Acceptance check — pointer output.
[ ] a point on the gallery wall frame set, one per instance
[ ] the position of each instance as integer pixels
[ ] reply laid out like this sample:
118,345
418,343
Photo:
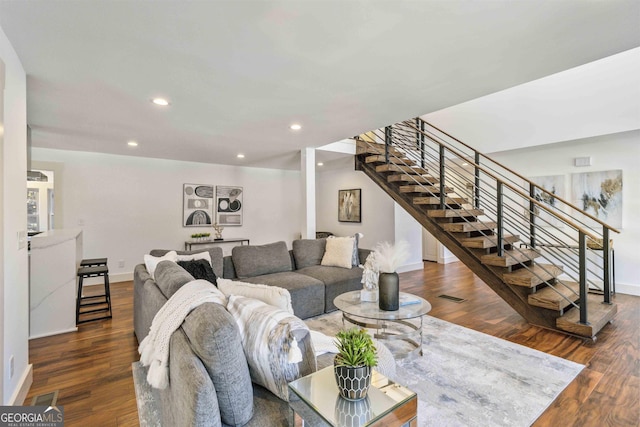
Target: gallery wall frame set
350,205
205,204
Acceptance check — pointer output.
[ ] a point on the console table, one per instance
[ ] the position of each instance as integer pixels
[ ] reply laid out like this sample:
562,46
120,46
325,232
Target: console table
189,243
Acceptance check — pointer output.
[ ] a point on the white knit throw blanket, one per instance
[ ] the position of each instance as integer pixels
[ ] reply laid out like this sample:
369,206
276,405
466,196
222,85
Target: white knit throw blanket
154,349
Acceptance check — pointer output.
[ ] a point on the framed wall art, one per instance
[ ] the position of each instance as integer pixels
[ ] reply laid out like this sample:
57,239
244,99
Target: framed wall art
197,206
554,184
349,205
600,194
229,205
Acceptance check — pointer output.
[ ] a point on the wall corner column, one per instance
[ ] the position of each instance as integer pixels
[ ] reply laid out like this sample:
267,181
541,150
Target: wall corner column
308,174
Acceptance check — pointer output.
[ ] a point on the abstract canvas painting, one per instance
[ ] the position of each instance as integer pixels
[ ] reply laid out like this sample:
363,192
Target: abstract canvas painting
228,205
554,186
349,205
599,194
197,207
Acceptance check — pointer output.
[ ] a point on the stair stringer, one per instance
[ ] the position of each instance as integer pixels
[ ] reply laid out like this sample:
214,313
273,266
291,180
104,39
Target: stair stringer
516,297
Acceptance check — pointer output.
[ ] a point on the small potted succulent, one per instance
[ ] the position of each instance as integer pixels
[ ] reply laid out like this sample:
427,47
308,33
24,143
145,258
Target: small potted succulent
352,365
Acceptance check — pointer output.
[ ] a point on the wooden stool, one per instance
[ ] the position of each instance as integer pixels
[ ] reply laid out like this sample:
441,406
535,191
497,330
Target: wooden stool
94,271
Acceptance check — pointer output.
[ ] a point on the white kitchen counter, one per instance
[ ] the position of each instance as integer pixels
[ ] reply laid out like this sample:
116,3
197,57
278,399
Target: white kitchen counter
54,259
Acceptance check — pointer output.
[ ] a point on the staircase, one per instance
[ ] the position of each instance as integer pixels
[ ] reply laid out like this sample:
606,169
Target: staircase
550,261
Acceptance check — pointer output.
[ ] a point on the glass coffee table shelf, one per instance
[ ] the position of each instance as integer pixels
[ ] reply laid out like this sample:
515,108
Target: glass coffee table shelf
404,324
314,400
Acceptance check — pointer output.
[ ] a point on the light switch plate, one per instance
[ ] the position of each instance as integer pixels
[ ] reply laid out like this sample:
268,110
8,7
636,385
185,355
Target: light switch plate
22,239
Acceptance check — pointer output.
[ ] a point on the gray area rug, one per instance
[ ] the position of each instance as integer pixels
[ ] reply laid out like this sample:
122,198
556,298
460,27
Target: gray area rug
465,378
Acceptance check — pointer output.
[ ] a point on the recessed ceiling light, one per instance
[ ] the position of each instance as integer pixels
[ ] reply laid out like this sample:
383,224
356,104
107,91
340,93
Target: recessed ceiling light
465,164
240,156
132,144
320,164
160,101
295,126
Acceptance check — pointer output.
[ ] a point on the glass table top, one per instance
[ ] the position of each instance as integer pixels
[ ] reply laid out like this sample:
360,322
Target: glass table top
320,392
411,306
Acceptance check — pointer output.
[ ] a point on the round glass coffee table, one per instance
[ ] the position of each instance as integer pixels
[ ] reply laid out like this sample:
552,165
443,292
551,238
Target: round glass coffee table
404,324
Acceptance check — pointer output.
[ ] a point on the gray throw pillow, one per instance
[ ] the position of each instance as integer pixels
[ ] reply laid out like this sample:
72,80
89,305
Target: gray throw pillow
170,277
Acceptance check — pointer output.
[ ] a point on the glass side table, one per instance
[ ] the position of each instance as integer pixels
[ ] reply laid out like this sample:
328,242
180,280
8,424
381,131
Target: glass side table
314,400
391,326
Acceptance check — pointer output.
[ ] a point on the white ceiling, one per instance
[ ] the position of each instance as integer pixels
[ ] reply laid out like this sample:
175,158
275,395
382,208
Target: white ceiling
238,73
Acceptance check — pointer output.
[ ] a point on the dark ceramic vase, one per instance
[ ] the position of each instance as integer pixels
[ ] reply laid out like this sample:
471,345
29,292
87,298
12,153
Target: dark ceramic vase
353,382
389,288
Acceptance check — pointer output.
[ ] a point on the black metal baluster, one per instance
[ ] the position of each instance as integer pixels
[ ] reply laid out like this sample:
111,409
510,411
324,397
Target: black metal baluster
499,215
606,253
582,256
532,216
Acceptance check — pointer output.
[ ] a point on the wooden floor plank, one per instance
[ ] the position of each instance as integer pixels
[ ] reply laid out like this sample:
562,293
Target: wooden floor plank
92,367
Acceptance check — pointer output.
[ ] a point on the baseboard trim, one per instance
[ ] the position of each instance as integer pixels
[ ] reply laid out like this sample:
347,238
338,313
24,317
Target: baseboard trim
623,288
23,389
411,267
33,337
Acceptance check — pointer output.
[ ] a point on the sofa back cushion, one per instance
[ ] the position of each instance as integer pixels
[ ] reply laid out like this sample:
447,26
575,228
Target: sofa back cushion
308,252
215,339
214,253
251,261
170,277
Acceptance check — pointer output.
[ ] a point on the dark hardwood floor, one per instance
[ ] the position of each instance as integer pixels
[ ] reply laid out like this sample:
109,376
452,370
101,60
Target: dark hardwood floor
92,367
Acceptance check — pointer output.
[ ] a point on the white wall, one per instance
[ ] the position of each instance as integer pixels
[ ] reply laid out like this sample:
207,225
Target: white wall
130,205
617,151
14,285
376,206
382,218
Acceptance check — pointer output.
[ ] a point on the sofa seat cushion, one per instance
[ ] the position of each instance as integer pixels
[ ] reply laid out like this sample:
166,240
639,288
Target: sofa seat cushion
250,261
170,277
308,252
307,293
215,339
337,280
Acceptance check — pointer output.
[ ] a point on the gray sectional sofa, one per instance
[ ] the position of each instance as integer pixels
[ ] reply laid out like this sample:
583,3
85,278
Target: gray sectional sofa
209,378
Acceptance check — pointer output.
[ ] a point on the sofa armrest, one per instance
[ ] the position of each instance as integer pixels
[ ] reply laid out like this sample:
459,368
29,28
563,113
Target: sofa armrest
363,254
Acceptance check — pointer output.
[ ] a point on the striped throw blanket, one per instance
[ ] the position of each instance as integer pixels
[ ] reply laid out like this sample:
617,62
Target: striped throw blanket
154,349
271,338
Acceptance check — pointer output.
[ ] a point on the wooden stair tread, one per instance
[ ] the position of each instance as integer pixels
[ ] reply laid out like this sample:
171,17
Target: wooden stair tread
400,168
465,227
598,315
454,213
431,189
532,276
374,148
436,200
412,178
485,242
381,158
556,298
509,258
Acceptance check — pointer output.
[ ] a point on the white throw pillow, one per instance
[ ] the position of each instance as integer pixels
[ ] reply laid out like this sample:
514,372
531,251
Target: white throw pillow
272,295
151,262
194,257
338,252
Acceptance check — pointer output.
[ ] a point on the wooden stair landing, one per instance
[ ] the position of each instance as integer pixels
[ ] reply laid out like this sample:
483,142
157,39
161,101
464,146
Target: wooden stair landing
598,315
